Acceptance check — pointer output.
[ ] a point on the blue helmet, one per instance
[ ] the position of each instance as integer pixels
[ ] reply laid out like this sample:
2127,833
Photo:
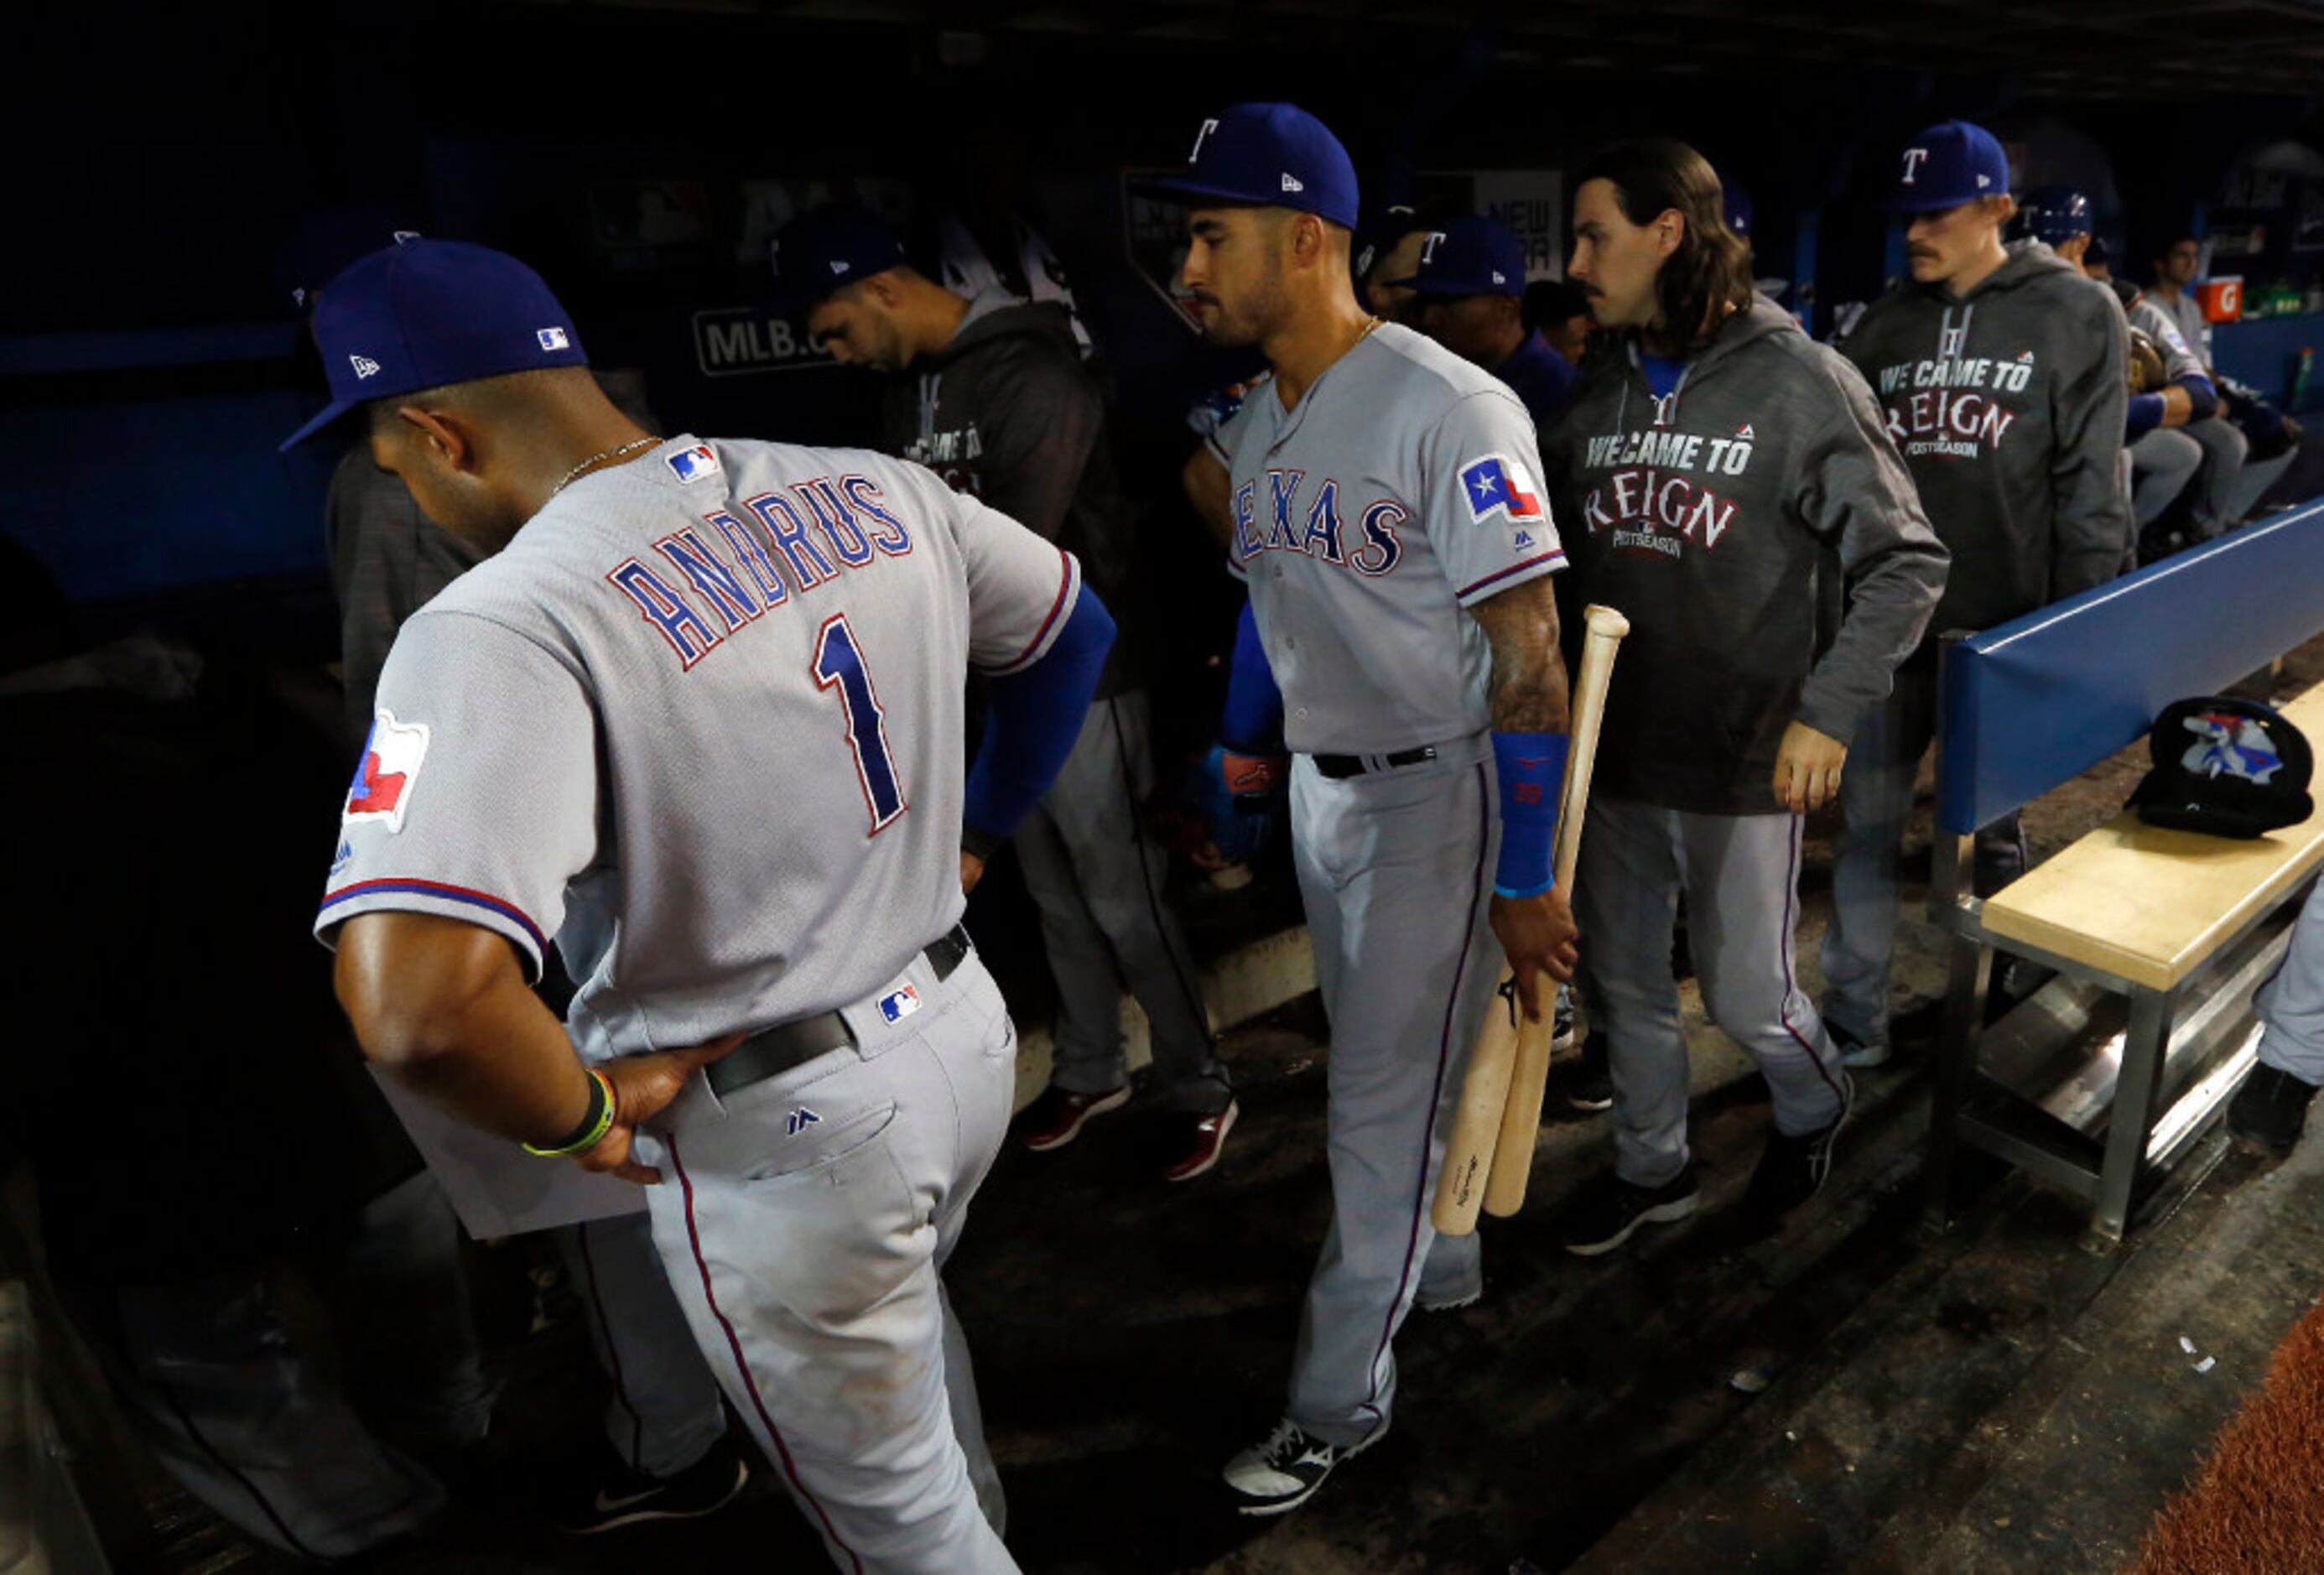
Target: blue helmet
2052,214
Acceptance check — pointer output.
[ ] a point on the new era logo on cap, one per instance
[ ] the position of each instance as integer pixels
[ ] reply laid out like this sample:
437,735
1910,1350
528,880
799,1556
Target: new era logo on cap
1293,183
365,366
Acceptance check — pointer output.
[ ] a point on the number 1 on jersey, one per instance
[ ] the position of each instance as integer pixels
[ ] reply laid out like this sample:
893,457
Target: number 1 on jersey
839,664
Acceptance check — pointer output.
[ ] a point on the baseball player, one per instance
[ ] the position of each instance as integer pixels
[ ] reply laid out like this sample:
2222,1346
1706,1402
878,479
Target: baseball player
1390,527
1714,461
1470,282
2270,1109
990,394
2000,372
664,1421
2172,426
699,719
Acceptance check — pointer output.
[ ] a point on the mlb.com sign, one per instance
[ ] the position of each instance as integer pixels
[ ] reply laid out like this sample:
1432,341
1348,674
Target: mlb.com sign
733,341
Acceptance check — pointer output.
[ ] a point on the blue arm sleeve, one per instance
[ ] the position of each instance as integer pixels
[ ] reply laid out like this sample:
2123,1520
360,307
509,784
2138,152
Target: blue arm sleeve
2145,415
2203,393
1033,719
1252,722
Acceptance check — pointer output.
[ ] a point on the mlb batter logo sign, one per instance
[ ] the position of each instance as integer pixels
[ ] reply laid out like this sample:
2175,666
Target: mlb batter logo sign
381,789
1499,484
691,464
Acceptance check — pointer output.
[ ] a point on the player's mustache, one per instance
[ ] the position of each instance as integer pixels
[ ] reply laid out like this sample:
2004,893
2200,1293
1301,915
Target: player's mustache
1924,253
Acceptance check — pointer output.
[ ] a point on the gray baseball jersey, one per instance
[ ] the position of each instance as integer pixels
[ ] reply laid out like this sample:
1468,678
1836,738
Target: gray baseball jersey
701,721
2178,359
1402,489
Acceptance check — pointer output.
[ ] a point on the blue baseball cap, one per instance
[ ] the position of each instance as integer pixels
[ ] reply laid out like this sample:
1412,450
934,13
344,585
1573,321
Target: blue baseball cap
2052,214
426,314
325,242
1949,164
1270,156
1471,256
826,250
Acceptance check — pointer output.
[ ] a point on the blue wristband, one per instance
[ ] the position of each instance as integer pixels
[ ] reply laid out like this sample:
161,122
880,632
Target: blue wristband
1532,770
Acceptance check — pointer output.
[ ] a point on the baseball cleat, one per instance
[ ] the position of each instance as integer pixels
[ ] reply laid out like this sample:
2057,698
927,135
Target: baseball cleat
1855,1052
1609,1210
626,1497
1057,1117
1205,1139
1283,1471
2270,1109
1792,1170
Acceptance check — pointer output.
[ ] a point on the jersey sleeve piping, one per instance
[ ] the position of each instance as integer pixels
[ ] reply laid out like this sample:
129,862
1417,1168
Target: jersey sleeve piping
406,895
1068,593
1517,574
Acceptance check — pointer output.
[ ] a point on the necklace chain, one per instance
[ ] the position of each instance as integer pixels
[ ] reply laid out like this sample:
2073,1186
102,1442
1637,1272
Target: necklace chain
574,474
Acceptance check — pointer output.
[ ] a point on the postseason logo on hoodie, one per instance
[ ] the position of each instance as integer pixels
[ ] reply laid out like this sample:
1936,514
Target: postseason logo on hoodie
1949,405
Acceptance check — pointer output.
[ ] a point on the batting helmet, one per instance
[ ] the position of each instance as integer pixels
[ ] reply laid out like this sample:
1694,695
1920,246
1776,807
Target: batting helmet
2053,213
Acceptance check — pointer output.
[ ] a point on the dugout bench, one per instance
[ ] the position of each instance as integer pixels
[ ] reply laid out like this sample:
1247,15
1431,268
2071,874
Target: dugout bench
2168,931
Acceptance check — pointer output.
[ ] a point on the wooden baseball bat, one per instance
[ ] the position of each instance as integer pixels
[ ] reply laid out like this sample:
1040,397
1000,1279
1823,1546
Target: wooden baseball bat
1477,1124
1481,1121
1512,1164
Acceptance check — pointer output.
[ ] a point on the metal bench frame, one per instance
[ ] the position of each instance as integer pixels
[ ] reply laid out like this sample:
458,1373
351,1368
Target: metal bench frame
2113,1174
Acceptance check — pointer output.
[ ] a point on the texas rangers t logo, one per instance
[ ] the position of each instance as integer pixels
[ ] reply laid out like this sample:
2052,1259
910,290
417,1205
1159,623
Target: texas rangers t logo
1914,159
1499,484
382,790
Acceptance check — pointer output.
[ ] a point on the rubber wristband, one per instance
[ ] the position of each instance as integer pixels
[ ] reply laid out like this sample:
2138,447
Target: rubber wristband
1531,767
593,1126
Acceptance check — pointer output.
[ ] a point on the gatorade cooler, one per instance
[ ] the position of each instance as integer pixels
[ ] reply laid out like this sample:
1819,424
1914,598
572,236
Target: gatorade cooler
2221,299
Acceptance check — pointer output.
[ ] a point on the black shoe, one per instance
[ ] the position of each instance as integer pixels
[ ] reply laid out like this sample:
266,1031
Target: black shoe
1792,1170
1607,1212
1283,1470
624,1497
1590,1086
1561,1032
2270,1109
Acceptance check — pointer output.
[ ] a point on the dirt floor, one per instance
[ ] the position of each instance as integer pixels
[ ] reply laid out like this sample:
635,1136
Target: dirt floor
1130,1336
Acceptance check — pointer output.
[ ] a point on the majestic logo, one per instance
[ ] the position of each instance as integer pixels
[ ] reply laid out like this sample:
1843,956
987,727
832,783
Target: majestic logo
896,1008
554,339
1208,127
800,1120
1499,484
691,464
382,790
365,366
1914,159
1293,183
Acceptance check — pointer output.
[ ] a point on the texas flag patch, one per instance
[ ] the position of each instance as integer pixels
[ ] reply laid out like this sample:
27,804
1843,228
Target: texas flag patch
691,464
382,790
1496,484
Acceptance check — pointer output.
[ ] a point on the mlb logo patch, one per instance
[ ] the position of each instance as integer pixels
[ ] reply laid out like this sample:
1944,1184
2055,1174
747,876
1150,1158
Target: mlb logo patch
896,1008
554,339
382,790
1499,484
691,464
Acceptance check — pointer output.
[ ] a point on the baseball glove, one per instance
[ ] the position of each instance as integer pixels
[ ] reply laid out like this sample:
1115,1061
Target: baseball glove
2147,372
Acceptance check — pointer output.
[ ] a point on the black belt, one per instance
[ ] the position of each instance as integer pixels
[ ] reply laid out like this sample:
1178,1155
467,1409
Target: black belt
1338,766
778,1049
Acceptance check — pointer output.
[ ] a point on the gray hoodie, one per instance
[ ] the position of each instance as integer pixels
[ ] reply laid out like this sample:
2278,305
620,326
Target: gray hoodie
2007,404
1706,518
1008,412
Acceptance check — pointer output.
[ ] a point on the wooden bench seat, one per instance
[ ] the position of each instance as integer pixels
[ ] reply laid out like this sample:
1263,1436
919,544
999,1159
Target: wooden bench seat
2149,905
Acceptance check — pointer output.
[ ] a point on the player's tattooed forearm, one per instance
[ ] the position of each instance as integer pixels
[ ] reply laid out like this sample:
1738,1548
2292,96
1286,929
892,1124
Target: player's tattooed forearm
1527,690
